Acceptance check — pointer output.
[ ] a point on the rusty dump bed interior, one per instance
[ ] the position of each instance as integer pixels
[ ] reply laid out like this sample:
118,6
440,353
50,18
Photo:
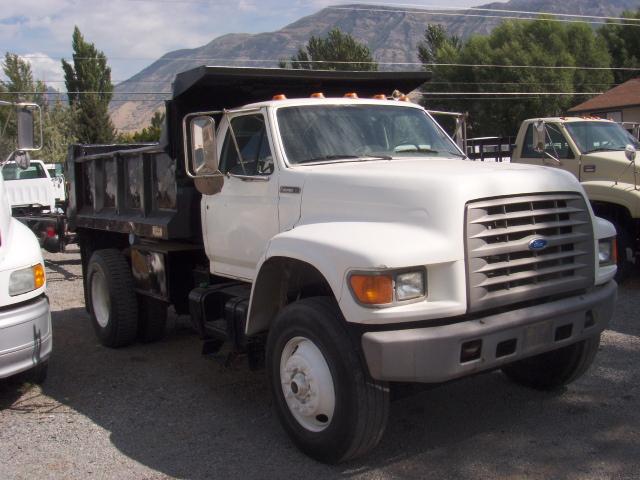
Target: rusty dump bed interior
143,189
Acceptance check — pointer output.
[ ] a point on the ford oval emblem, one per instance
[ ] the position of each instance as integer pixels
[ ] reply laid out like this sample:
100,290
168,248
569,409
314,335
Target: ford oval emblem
538,244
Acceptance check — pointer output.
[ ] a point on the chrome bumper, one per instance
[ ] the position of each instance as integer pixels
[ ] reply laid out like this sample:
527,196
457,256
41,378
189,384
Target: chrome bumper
25,336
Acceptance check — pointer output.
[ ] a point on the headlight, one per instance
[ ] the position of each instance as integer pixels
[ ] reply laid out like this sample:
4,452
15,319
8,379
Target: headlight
409,286
26,279
383,288
608,251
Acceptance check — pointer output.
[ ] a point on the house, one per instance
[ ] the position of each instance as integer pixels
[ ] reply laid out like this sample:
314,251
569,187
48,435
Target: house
620,104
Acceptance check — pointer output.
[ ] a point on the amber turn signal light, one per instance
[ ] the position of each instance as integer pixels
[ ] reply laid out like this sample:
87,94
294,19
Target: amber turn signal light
38,275
372,289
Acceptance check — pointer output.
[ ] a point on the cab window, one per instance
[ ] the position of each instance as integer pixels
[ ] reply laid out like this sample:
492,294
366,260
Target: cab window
255,154
556,144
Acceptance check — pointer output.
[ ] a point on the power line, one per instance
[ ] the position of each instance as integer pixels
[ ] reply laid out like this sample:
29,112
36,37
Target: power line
417,64
498,10
447,14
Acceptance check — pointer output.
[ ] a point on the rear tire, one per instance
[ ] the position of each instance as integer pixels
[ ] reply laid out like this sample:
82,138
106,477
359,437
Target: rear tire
323,394
112,301
552,370
625,250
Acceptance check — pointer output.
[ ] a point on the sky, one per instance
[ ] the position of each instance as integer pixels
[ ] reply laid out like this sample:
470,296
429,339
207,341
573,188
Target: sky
134,33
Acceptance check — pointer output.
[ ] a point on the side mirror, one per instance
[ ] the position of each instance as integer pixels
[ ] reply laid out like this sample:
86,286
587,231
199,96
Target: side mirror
204,155
22,159
25,128
539,136
630,152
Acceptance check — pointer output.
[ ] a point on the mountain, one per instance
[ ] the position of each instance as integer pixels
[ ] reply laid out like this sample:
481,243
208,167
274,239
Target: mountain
392,34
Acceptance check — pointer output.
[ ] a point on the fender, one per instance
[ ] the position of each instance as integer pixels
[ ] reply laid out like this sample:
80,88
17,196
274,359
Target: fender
336,248
623,194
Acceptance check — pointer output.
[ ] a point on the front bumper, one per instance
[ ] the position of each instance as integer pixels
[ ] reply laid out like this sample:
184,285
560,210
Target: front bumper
433,354
25,336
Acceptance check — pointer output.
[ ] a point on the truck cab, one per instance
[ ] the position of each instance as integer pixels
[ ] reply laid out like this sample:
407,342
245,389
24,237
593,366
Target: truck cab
601,155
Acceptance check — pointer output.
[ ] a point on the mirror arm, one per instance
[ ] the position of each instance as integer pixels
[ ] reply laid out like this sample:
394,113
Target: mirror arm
548,155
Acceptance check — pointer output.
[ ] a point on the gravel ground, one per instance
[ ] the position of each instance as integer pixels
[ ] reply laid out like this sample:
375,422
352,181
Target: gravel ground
164,411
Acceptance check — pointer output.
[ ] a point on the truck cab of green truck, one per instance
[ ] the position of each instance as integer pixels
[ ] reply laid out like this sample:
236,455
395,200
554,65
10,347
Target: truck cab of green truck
601,155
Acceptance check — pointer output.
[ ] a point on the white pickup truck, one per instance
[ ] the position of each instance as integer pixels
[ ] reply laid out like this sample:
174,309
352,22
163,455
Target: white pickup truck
35,199
599,153
25,321
345,243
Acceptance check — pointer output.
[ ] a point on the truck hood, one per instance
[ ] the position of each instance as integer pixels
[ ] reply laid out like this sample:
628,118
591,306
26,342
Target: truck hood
418,191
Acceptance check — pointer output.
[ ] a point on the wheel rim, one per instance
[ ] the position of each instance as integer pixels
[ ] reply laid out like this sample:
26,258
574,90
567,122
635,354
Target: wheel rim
307,384
100,303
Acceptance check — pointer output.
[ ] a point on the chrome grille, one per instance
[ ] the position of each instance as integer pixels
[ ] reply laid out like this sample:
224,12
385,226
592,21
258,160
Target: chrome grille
502,269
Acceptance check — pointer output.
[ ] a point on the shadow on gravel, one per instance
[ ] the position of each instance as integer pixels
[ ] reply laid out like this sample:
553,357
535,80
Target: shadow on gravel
185,415
57,266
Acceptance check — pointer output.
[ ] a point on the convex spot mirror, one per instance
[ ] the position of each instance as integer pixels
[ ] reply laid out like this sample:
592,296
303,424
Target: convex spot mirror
22,159
204,155
630,152
539,136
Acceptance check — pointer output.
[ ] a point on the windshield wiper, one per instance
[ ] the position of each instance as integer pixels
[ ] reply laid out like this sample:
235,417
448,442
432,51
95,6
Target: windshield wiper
605,150
346,157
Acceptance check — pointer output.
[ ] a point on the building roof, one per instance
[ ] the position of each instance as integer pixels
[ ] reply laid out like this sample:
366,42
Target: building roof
626,94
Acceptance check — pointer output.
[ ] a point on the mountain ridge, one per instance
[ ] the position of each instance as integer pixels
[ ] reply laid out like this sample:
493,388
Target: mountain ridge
391,33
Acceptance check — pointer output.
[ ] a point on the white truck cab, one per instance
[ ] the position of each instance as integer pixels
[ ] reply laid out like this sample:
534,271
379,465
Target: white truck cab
25,320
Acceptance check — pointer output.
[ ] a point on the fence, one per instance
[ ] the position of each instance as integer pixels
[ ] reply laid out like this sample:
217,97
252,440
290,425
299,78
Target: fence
495,149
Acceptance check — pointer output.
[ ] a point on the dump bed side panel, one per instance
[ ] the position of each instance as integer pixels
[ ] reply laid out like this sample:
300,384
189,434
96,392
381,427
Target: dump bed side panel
132,189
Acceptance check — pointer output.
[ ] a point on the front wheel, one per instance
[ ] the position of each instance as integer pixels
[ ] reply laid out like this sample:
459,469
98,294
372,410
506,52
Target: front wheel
552,370
323,394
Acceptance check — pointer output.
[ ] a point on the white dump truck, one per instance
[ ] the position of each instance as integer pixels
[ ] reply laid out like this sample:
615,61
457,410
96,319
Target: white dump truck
25,321
602,155
336,235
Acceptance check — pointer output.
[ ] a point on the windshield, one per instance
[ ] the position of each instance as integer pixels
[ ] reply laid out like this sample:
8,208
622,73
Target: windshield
321,133
600,136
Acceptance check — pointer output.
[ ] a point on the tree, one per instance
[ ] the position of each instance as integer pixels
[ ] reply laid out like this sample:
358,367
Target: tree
146,135
623,43
58,131
339,50
18,87
537,43
435,40
89,87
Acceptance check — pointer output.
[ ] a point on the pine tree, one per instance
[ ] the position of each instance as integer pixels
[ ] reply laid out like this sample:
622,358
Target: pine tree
89,87
339,50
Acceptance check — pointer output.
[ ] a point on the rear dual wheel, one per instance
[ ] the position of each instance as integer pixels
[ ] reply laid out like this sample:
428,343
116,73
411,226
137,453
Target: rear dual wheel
117,314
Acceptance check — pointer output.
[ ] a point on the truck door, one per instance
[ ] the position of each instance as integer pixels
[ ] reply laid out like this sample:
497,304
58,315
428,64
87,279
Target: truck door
556,145
240,220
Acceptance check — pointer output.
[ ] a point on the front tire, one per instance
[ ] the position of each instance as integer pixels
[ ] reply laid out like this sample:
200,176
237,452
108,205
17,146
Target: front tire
323,394
112,300
552,370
